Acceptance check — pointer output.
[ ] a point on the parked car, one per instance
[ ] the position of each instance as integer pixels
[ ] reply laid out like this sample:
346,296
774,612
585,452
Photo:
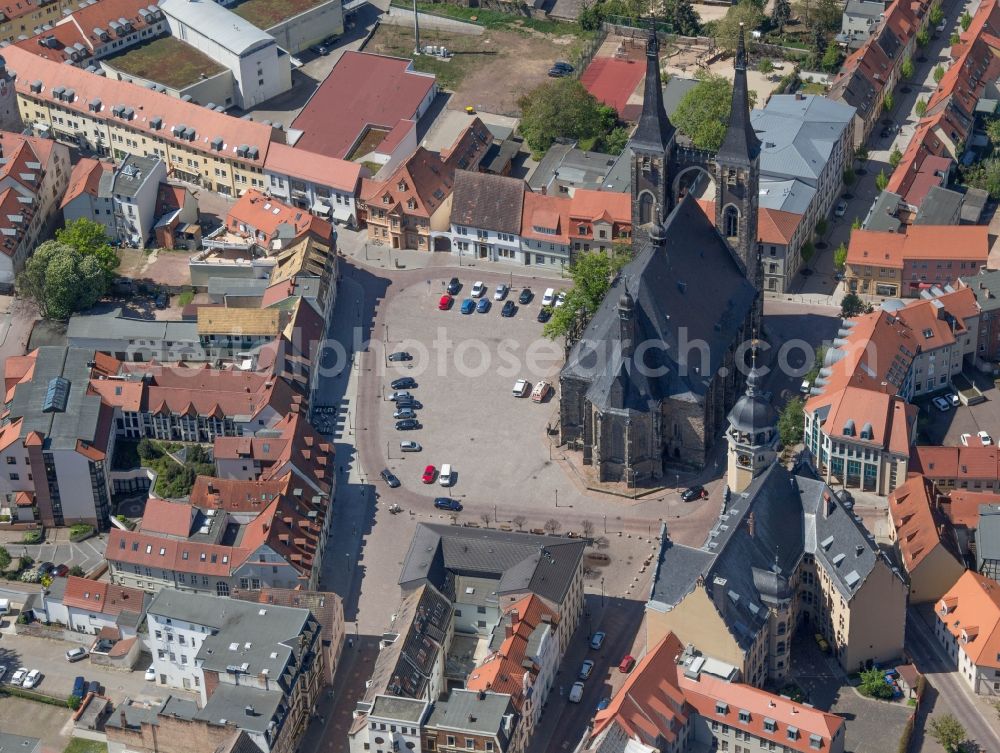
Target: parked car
824,646
447,476
468,306
942,404
508,310
320,49
483,306
390,478
627,663
407,424
954,399
560,299
586,669
32,679
446,503
454,286
478,289
404,383
522,387
500,293
544,314
445,302
76,654
597,640
576,692
46,568
61,571
694,492
841,208
150,675
541,391
162,300
805,386
525,298
984,437
549,296
94,687
429,473
409,402
603,703
558,73
403,413
395,396
80,686
400,356
19,676
564,66
408,445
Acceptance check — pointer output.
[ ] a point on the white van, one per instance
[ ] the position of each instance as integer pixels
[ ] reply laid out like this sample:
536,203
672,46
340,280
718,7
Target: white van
445,477
4,606
550,297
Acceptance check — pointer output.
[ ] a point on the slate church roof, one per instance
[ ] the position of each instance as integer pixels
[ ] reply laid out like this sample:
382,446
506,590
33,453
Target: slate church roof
691,290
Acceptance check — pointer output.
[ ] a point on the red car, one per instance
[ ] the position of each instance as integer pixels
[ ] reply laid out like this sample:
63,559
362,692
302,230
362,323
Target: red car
429,473
627,663
445,303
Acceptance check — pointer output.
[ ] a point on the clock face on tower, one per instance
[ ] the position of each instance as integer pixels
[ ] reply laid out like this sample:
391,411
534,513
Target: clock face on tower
744,459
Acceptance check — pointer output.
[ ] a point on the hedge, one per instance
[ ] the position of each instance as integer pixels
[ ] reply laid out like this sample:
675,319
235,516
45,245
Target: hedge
32,696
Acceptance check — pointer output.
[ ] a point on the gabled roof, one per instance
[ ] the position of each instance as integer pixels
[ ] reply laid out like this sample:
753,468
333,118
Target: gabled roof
310,166
268,216
919,527
957,463
545,218
487,202
970,611
85,179
161,516
103,598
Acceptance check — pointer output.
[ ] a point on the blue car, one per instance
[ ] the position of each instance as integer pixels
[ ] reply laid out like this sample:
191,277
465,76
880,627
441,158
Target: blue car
468,306
444,503
604,703
79,687
483,306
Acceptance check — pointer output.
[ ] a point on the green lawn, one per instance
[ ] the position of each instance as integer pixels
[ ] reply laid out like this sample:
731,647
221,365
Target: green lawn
79,745
166,61
266,13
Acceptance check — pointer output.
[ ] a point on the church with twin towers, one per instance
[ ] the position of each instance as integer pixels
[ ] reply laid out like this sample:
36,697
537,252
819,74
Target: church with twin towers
649,386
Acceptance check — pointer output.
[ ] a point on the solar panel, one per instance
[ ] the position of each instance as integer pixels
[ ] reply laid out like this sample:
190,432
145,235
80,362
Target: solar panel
56,395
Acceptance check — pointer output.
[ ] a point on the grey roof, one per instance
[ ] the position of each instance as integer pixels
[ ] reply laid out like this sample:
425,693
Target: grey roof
740,144
500,153
490,202
543,565
674,300
864,8
571,166
128,178
81,418
619,177
654,131
756,545
221,25
753,412
16,744
403,709
941,206
799,134
237,286
988,535
255,637
482,713
674,92
973,205
241,742
232,703
788,195
986,287
137,713
113,325
884,213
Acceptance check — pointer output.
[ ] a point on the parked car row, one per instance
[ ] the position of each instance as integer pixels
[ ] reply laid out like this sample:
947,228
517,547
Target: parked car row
523,388
478,302
946,402
23,677
81,687
587,669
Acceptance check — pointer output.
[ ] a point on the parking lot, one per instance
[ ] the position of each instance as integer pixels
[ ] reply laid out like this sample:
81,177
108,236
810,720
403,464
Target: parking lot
947,428
87,554
466,365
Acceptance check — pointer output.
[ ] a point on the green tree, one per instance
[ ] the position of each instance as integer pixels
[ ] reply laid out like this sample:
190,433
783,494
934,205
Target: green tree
780,14
728,30
821,226
592,274
831,59
861,153
948,732
77,571
681,16
965,20
881,180
765,66
906,69
873,684
90,239
563,108
936,15
985,175
702,113
852,305
60,280
938,74
923,38
840,256
818,42
856,225
888,103
954,38
615,141
895,157
4,558
791,421
993,131
849,176
920,107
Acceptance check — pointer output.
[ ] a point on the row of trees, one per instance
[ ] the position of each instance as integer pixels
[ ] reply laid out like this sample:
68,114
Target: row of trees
673,16
70,273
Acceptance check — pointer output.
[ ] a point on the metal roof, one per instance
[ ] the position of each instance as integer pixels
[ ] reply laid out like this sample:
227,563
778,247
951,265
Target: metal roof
221,25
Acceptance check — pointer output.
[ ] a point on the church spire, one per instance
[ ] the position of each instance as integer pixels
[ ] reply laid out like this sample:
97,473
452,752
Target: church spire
740,144
655,131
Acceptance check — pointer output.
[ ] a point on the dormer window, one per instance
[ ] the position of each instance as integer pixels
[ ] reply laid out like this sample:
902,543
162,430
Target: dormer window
744,716
386,199
411,204
402,185
721,708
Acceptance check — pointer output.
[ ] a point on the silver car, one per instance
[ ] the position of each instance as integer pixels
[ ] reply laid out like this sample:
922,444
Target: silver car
404,413
409,446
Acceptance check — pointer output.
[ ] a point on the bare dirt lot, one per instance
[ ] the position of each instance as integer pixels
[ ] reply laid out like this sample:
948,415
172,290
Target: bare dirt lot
524,57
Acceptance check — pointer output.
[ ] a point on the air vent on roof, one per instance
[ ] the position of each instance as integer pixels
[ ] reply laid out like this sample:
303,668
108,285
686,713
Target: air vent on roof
210,105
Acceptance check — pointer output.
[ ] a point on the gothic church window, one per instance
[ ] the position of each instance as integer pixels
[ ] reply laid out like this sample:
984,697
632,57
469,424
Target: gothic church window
645,208
731,221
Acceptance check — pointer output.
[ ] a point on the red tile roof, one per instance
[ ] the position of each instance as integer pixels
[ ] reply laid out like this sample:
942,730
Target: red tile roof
548,212
921,242
100,597
956,463
167,518
918,526
364,90
312,166
613,81
961,506
85,179
773,225
970,611
264,216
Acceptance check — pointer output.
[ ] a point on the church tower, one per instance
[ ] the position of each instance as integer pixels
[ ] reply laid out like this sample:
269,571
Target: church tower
652,146
737,176
752,435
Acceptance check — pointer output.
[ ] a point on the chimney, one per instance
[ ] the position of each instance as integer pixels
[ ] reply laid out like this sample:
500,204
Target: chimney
827,504
750,524
508,627
799,96
482,695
